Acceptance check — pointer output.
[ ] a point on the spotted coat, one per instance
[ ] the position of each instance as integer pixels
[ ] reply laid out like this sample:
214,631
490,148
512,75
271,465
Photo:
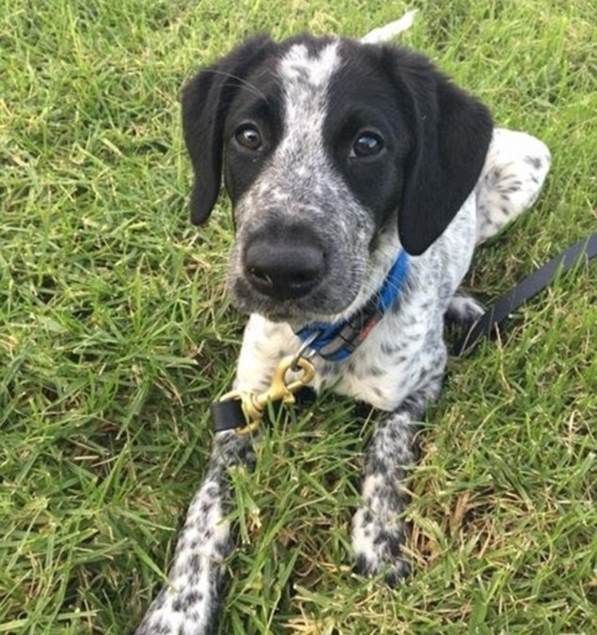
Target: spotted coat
290,129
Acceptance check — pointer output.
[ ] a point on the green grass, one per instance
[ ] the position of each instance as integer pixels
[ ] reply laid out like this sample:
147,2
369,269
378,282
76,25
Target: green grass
115,335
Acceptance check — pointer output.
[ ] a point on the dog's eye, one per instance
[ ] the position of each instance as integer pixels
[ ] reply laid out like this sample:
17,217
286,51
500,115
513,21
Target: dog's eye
249,137
367,144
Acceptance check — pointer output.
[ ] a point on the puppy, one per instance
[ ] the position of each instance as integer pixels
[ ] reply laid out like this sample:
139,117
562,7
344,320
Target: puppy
361,179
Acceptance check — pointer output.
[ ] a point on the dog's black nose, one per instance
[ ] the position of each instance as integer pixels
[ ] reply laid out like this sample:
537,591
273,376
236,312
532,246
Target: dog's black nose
285,269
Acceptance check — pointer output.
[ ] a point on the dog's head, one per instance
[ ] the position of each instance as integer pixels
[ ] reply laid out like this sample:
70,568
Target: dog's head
334,153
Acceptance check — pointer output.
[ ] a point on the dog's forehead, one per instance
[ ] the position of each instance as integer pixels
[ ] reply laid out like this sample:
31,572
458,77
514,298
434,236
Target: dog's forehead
311,65
308,72
305,73
330,73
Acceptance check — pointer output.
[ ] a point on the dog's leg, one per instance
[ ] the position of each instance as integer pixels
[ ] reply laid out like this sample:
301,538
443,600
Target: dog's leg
189,604
378,530
511,180
463,311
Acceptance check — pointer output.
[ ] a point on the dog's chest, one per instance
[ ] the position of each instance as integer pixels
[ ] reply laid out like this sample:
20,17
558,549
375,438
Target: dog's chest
382,372
386,368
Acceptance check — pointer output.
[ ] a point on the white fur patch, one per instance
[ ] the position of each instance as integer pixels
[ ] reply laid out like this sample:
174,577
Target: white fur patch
305,80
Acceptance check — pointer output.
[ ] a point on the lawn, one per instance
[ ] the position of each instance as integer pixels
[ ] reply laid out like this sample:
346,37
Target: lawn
116,334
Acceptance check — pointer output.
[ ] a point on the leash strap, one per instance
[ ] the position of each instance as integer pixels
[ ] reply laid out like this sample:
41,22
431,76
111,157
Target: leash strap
524,291
244,410
229,414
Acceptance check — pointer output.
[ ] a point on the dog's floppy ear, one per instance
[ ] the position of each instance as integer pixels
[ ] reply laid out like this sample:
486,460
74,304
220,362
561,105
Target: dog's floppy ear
452,132
206,99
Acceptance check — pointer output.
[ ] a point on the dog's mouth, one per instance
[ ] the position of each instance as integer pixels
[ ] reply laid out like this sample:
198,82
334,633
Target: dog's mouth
323,302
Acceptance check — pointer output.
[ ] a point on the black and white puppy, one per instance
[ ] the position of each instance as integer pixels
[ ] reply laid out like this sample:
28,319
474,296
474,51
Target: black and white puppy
341,159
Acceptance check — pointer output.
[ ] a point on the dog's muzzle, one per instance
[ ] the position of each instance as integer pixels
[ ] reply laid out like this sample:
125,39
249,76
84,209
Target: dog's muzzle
285,267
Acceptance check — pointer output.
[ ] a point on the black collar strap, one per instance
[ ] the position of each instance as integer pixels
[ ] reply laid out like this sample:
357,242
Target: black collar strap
525,290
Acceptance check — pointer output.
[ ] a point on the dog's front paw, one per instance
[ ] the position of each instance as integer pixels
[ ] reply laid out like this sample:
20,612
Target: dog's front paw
463,311
378,545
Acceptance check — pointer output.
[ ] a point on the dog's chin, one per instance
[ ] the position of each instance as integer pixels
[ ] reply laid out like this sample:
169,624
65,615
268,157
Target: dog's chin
285,312
297,312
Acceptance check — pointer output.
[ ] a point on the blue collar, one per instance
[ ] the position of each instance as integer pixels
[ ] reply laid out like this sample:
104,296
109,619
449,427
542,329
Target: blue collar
338,340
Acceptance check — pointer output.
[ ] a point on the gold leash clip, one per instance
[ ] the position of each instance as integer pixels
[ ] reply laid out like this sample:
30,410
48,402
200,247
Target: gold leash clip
254,405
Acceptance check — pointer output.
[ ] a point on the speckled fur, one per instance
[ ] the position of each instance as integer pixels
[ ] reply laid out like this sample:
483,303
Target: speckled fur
189,604
514,171
399,369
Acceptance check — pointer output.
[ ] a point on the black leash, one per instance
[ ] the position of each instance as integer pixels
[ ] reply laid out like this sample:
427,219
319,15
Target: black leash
524,291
